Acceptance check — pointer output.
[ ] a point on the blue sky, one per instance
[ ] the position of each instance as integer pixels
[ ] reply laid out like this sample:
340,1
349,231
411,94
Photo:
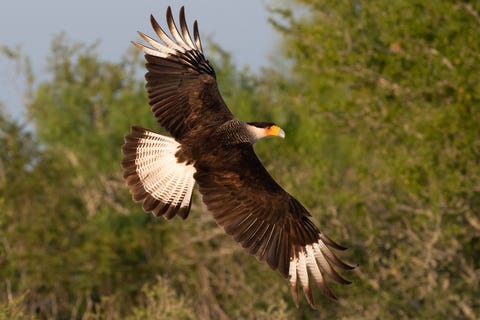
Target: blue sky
240,27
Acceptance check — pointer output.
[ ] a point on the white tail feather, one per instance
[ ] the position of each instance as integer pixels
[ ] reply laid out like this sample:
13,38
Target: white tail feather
152,170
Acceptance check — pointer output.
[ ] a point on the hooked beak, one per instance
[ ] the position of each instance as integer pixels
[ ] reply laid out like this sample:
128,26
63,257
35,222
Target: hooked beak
275,131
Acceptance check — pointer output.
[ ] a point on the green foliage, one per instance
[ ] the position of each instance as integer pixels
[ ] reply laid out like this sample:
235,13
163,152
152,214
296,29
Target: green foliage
89,104
380,104
13,309
161,302
386,96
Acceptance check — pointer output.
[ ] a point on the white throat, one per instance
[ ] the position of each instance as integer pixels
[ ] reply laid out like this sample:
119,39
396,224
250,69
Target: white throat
256,133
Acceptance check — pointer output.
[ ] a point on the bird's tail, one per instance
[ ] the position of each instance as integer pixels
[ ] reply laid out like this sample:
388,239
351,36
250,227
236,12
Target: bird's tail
153,174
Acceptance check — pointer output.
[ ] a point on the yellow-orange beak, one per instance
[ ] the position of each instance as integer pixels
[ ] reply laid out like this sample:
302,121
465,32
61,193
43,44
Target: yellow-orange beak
275,131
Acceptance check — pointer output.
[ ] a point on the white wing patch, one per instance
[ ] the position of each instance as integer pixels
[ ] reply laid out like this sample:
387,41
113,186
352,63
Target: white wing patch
178,43
315,259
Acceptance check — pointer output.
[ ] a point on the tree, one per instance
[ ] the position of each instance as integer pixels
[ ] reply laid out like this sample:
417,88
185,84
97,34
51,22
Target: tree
384,95
380,105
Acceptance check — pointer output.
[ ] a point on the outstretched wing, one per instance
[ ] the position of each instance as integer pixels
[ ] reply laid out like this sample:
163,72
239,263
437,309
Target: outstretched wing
266,220
181,84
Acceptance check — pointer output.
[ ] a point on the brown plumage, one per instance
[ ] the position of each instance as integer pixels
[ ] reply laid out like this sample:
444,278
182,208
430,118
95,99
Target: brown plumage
213,149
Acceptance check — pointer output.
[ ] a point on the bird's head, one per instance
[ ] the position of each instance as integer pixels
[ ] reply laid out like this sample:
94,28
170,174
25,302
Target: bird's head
260,130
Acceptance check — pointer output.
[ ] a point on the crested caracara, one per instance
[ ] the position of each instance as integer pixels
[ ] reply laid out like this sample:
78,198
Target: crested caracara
211,148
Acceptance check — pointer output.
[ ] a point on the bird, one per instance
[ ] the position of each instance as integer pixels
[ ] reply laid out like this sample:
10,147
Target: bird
209,148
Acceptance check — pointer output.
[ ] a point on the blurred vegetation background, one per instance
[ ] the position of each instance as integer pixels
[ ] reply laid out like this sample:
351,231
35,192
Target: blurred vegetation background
380,101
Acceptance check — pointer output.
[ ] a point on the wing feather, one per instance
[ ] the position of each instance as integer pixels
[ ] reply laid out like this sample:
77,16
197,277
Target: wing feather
181,83
266,220
164,36
184,28
173,29
196,35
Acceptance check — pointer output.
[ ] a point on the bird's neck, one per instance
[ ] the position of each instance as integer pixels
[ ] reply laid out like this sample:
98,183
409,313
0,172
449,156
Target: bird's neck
236,131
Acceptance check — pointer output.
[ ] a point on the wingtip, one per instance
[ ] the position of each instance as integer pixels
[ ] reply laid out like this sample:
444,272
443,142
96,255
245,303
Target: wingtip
142,35
350,267
331,243
135,44
294,292
169,13
153,21
329,293
196,36
181,15
308,293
